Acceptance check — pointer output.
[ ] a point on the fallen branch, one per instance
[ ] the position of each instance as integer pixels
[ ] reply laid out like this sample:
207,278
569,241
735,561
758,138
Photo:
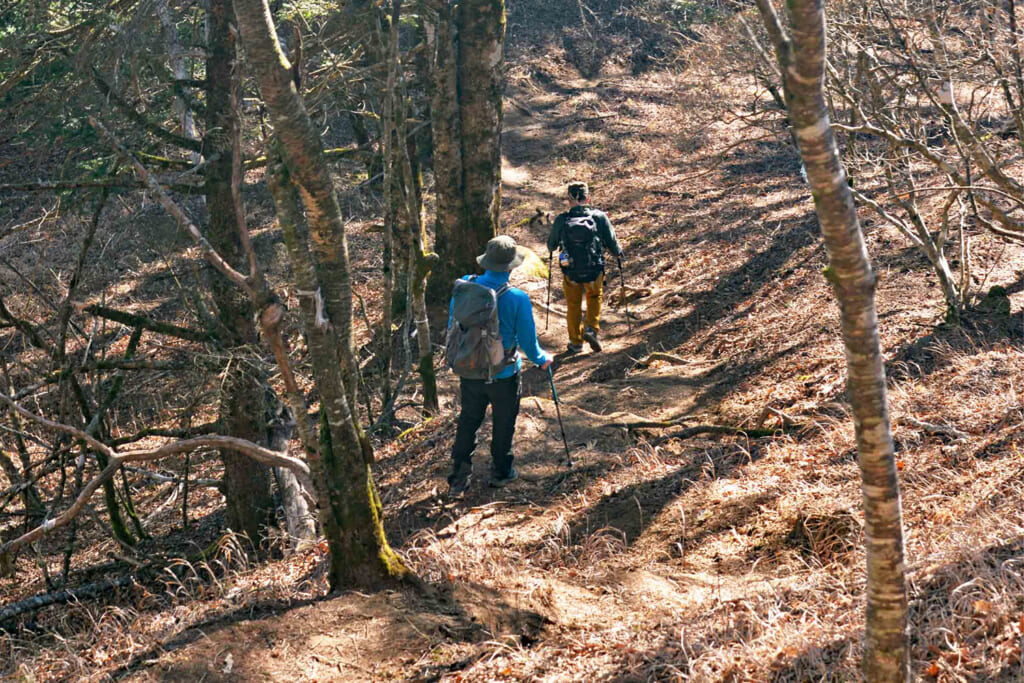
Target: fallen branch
768,411
551,309
62,185
116,460
686,433
632,294
565,123
112,184
88,591
928,427
736,431
134,320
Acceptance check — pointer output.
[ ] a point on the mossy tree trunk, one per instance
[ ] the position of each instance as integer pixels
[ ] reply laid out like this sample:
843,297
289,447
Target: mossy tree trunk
466,119
350,510
392,210
246,482
802,62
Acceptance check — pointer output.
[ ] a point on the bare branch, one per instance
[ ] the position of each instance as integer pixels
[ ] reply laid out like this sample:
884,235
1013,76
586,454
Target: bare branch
116,460
142,121
183,221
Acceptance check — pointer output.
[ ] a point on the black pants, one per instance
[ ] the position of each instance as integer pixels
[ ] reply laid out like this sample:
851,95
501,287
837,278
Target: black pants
503,396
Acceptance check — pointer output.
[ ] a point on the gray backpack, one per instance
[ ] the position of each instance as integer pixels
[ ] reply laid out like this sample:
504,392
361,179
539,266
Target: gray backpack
473,349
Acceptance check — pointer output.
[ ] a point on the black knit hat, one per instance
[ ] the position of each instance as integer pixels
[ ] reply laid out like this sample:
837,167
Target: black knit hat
578,190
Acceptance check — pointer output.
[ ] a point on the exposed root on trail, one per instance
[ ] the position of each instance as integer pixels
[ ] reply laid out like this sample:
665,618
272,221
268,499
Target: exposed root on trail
630,422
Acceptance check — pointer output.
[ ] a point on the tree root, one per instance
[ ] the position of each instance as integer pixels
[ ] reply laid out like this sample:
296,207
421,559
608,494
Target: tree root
666,357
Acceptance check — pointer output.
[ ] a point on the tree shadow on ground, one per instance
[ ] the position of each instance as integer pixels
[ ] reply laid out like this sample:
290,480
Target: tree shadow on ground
723,298
932,352
421,474
631,509
353,634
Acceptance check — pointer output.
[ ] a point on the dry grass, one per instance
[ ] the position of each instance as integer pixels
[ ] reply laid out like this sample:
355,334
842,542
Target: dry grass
89,640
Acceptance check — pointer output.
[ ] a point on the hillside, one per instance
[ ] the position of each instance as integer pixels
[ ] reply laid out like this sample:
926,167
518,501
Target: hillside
666,552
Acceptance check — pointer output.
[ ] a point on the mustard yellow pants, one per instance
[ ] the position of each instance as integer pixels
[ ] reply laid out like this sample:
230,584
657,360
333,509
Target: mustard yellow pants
574,292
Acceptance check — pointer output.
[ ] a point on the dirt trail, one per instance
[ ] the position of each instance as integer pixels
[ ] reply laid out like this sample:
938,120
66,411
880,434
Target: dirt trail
592,554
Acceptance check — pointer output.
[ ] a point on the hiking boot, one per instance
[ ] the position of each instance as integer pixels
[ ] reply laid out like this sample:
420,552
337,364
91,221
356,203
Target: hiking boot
497,482
574,348
590,336
459,480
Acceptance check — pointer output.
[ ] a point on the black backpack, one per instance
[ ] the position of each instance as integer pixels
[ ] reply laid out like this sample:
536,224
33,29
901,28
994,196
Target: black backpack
582,257
473,349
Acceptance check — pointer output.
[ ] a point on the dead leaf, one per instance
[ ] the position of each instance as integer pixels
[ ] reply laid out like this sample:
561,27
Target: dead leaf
982,608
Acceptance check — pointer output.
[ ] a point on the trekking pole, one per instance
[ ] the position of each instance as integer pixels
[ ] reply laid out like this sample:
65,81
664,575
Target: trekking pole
622,282
547,314
558,412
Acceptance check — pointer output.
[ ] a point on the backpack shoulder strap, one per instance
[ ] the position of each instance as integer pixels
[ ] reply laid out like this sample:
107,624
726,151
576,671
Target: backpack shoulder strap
501,290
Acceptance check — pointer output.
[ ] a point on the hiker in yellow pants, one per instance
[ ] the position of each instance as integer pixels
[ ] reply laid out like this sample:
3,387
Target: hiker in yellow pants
582,234
574,293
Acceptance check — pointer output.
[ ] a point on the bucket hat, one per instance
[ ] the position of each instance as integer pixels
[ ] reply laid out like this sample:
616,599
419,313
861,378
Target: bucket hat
502,255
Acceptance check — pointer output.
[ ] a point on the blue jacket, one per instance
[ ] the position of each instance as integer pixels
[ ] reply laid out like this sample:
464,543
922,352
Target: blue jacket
515,320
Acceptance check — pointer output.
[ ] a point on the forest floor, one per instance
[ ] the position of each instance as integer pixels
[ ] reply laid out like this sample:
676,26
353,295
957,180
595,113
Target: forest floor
658,555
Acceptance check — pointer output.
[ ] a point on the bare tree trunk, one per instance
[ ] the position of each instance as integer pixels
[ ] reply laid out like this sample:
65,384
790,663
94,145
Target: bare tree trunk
421,263
466,119
481,44
350,509
247,482
802,61
392,206
446,131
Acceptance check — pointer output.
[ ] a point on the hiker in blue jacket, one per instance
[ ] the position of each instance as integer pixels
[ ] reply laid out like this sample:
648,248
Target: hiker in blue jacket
502,390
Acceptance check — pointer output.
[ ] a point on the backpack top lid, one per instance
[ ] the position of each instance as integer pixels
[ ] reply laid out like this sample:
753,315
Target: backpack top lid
581,229
473,303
